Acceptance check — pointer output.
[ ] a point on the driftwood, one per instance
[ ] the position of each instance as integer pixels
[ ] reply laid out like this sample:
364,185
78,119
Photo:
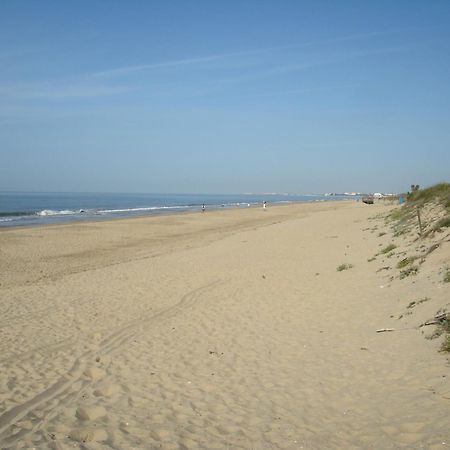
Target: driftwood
439,318
385,330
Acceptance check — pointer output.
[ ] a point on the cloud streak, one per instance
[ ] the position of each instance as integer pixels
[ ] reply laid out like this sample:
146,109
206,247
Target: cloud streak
127,70
103,83
282,69
61,91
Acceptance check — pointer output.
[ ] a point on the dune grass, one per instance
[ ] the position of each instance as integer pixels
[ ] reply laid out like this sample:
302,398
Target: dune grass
439,193
404,218
409,271
447,277
342,267
442,223
388,249
405,262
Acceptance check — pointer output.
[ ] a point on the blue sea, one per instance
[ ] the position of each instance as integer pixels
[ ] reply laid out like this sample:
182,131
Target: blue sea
31,209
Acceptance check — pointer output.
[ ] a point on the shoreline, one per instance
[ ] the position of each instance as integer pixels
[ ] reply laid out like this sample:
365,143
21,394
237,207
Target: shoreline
71,213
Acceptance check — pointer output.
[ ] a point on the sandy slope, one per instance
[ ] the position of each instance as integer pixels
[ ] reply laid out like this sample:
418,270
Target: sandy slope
229,329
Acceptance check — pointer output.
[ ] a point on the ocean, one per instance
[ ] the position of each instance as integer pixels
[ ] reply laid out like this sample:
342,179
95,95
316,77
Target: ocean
42,208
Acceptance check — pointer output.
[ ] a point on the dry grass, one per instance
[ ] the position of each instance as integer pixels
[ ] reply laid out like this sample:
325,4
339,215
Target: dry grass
439,193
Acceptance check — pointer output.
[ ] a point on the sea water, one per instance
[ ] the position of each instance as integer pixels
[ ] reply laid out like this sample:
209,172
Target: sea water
26,208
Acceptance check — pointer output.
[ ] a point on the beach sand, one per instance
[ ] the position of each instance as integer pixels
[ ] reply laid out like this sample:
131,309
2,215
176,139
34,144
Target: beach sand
230,329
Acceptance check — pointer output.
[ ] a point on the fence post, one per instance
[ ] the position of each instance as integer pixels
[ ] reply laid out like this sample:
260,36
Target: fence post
420,221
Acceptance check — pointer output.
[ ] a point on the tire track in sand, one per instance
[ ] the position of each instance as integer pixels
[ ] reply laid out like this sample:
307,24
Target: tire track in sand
59,389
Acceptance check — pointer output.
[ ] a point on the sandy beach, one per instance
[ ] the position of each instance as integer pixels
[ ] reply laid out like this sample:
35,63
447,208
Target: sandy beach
224,330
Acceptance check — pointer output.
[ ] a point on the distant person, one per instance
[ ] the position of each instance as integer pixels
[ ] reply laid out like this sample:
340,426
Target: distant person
264,205
203,207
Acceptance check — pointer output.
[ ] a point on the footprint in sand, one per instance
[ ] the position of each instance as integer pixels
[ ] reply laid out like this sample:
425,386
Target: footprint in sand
88,435
94,373
107,390
90,412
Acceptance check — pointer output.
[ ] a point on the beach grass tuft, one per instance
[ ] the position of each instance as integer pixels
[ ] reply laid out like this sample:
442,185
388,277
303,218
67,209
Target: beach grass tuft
388,249
444,327
342,267
445,346
442,223
447,276
405,262
408,272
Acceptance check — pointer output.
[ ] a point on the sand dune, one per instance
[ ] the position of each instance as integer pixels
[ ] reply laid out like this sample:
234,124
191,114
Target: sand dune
223,330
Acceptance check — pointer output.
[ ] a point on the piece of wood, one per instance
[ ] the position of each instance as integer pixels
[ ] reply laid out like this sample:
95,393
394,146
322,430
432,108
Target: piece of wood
438,318
430,322
420,221
385,330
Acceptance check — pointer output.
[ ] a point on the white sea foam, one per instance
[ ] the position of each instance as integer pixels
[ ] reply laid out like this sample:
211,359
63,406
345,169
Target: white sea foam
51,212
149,208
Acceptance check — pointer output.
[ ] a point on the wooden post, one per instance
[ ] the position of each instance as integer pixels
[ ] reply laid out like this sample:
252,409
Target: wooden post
420,221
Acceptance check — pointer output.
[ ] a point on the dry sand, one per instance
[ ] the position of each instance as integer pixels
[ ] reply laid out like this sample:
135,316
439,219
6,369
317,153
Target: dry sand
223,330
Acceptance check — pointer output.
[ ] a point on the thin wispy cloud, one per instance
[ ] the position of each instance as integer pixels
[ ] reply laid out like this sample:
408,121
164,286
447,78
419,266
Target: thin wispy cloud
126,70
58,91
274,63
307,90
282,69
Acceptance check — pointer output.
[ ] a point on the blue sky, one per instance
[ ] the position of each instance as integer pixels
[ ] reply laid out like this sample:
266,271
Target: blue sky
224,97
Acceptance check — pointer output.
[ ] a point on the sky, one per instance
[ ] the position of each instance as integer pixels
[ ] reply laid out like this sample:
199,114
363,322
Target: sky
224,97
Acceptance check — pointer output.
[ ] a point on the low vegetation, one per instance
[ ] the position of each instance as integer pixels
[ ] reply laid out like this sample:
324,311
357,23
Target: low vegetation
404,219
423,221
405,262
401,220
444,329
442,223
445,346
344,267
388,249
409,271
447,276
439,193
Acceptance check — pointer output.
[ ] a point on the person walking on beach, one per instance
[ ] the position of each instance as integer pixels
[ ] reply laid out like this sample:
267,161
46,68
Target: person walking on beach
203,207
264,205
